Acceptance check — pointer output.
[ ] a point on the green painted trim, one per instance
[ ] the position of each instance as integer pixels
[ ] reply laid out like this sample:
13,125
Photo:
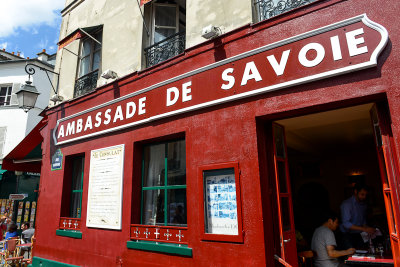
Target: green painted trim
69,233
182,250
164,187
36,262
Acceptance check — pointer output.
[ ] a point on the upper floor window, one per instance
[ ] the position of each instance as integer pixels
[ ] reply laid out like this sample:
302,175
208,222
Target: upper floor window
5,95
266,9
164,184
166,38
89,64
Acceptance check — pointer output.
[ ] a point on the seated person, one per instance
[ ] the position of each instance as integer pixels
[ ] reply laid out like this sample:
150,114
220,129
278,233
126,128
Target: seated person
323,244
26,236
354,218
27,232
12,231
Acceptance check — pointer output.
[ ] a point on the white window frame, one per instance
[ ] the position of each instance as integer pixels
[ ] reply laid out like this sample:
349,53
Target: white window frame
8,86
91,54
154,26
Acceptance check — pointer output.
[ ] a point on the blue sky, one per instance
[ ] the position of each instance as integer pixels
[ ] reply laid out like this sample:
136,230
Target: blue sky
28,26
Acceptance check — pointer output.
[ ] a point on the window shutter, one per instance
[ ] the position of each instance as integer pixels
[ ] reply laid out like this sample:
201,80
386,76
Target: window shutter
3,131
14,99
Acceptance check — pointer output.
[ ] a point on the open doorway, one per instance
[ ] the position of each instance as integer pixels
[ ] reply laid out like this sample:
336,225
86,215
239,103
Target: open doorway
318,159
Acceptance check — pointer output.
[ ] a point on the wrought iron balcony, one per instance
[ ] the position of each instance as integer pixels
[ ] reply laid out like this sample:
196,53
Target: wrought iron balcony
86,83
167,48
270,8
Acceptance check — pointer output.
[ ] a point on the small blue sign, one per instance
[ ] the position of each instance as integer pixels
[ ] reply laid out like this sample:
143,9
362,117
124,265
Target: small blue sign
56,160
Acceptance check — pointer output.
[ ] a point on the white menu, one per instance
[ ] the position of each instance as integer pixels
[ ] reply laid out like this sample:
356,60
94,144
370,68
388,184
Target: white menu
104,207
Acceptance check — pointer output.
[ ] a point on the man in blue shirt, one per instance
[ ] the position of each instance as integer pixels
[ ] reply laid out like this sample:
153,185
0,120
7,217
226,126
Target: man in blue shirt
354,218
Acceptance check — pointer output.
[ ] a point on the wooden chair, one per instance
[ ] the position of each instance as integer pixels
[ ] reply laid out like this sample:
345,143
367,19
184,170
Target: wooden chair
26,262
9,255
305,258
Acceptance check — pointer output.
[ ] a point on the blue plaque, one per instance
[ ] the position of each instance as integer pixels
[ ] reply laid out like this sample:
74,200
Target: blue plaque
56,160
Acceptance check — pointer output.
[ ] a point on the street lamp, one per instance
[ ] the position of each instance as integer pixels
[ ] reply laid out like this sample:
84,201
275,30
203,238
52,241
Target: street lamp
27,96
28,93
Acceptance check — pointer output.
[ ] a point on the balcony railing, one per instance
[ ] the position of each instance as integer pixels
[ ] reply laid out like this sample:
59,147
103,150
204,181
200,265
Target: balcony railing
86,83
270,8
167,48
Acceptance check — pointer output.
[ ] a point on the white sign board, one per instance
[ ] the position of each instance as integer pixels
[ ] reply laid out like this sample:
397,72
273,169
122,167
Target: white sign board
104,207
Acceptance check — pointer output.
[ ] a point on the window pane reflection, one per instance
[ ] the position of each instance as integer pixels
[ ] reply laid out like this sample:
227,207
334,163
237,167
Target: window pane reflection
177,207
153,207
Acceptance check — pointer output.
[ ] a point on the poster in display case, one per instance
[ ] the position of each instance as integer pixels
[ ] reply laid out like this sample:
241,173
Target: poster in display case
221,202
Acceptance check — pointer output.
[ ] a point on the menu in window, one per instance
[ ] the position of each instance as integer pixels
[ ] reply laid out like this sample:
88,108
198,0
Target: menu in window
220,202
104,207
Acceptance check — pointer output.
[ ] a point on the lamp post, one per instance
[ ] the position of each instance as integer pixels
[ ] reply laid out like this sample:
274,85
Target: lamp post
27,96
28,93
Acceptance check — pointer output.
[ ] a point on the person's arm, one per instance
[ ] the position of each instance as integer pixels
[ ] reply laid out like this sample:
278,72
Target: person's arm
345,211
364,228
333,253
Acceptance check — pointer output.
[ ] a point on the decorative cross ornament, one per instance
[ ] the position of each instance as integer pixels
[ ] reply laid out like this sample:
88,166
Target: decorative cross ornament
147,232
167,234
136,232
157,233
64,223
69,223
180,235
76,224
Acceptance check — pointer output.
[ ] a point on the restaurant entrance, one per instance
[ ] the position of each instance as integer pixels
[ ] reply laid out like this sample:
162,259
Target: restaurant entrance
317,160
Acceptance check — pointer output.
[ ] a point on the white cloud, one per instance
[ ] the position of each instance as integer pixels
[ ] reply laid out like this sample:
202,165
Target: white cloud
3,45
28,14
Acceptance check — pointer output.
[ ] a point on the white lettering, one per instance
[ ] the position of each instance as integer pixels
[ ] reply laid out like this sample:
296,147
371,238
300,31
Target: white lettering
130,109
88,123
118,114
70,128
303,55
279,68
61,132
107,116
79,125
250,72
352,42
336,51
175,91
142,106
228,78
98,119
186,90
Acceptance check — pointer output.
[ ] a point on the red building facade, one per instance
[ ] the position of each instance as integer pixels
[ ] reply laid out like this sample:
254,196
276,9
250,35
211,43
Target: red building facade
222,108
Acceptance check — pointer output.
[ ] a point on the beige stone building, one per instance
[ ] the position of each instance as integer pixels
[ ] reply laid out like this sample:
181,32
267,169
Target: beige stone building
132,36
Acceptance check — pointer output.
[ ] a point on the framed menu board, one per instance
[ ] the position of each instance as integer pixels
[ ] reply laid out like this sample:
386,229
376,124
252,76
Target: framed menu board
104,207
221,202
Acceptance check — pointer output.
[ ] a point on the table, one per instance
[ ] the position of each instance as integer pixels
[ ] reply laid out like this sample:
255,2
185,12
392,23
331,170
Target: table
370,260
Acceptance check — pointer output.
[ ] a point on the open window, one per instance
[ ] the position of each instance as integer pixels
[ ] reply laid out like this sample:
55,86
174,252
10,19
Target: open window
164,36
89,62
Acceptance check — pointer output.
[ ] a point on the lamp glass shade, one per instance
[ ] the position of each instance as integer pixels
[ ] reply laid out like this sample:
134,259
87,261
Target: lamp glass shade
27,97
